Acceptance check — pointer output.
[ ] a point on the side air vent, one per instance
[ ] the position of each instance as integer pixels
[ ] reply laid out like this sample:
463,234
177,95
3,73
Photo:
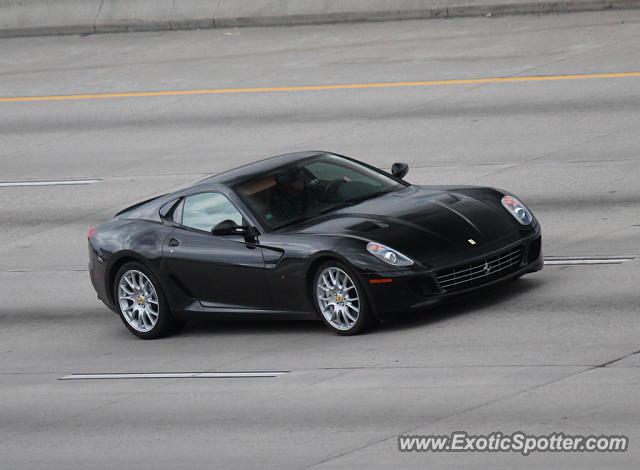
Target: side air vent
181,287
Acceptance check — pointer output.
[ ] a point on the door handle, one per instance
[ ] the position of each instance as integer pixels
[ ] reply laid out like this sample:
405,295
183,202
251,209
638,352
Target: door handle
173,242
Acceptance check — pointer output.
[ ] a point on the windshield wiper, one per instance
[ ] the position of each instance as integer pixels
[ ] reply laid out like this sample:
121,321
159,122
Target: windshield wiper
354,201
297,220
369,196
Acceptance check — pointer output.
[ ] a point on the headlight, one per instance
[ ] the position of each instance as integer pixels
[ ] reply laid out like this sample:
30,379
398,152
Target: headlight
388,255
517,210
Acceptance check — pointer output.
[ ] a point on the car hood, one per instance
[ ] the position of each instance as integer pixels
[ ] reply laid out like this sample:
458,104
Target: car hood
425,223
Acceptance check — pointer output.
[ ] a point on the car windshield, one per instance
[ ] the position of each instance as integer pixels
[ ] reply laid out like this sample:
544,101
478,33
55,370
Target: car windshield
311,187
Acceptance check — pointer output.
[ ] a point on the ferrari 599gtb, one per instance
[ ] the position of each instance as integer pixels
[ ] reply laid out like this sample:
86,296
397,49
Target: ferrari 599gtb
307,232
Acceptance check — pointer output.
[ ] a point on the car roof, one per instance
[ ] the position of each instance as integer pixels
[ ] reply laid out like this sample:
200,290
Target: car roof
250,170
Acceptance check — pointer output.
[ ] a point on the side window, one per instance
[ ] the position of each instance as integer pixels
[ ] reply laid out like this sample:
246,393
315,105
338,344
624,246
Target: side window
172,210
206,210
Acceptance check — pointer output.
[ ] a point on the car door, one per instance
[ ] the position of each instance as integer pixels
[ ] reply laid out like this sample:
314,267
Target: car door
220,271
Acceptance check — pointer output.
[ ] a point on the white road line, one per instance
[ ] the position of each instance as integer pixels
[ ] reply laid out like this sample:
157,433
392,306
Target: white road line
585,261
175,375
47,182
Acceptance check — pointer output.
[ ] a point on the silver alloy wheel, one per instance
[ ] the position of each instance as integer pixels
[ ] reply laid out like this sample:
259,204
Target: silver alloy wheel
138,300
338,298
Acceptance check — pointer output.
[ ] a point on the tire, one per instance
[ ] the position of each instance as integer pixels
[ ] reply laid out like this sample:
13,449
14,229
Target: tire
141,303
340,300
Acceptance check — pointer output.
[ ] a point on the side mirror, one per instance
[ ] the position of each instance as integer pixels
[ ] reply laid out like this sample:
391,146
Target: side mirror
229,227
399,170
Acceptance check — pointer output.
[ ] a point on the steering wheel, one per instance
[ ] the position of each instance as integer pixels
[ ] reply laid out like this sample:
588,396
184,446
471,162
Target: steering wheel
331,190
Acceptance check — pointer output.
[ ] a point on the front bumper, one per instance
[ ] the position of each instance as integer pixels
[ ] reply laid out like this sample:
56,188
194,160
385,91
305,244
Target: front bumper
400,291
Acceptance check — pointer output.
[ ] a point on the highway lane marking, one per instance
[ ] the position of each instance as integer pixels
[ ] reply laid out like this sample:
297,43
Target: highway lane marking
176,375
4,184
534,78
586,261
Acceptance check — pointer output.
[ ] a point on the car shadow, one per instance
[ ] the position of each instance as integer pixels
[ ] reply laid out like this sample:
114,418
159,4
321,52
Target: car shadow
488,297
266,324
252,324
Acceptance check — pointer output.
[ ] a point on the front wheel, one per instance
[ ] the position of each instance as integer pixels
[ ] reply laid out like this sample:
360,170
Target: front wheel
141,303
340,299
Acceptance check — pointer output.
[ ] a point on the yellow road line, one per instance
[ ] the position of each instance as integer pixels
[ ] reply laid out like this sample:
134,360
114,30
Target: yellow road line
318,87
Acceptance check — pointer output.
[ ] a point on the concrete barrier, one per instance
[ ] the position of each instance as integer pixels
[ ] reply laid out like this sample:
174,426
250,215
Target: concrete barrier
41,17
44,17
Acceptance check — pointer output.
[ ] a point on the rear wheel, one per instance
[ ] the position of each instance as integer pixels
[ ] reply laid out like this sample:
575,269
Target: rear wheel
141,302
340,299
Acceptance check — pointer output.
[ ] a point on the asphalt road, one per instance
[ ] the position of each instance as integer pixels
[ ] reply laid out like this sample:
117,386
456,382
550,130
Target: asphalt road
554,351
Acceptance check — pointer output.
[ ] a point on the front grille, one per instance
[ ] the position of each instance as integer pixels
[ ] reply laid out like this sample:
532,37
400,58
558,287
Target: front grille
480,272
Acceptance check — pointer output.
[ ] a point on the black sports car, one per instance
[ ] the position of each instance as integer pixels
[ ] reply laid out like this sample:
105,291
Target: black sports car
305,232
